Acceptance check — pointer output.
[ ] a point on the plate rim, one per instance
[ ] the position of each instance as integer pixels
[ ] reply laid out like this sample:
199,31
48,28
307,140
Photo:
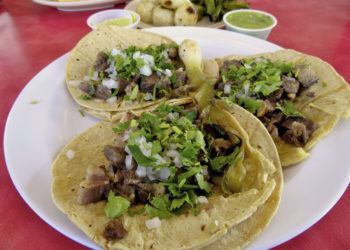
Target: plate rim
76,3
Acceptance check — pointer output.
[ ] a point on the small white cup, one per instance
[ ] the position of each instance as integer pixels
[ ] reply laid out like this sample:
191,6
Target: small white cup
102,16
259,33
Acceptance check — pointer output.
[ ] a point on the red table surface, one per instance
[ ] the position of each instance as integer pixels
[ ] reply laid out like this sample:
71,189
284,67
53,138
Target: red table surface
31,36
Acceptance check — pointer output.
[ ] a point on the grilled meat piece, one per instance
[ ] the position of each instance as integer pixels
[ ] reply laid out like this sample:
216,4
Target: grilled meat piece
275,96
102,92
92,193
181,76
306,76
123,83
87,88
148,82
114,230
290,85
127,177
267,107
298,131
144,190
125,190
95,186
116,155
101,63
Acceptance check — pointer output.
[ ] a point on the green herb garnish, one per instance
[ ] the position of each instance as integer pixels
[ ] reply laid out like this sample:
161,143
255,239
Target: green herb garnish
116,205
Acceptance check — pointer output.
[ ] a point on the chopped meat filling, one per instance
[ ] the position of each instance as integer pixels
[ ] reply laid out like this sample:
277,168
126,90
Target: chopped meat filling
114,230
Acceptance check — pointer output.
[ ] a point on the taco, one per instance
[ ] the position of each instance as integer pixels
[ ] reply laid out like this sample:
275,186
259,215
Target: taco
299,98
170,179
113,70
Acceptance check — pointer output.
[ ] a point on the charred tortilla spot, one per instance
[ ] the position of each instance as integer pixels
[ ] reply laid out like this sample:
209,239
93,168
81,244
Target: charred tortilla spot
167,3
203,227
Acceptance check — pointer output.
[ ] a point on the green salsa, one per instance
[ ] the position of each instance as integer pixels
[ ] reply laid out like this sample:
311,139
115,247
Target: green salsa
250,20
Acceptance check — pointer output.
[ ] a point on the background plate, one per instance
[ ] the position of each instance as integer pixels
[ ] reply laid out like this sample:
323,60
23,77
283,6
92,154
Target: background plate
205,22
80,5
35,133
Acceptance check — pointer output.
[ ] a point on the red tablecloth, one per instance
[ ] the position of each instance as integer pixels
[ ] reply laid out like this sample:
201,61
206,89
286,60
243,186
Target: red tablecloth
31,36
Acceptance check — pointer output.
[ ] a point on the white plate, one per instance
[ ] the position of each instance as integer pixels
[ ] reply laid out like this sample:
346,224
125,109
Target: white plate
205,22
34,133
80,5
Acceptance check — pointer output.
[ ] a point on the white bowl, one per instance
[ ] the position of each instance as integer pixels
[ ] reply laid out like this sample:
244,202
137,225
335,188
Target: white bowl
101,16
259,33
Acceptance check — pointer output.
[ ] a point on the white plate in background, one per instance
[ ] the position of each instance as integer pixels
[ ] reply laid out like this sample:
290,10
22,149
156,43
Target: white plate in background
81,5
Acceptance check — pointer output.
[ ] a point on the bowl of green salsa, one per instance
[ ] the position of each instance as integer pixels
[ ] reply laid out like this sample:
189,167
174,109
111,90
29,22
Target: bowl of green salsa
250,22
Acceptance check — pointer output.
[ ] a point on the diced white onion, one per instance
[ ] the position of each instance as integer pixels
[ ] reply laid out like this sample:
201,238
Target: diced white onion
216,222
227,88
115,52
173,116
172,153
126,135
136,55
148,59
128,162
164,174
148,96
205,171
111,69
112,100
175,155
70,154
247,66
246,89
172,146
151,173
153,223
141,171
95,76
86,78
146,70
127,150
159,159
168,73
110,83
202,199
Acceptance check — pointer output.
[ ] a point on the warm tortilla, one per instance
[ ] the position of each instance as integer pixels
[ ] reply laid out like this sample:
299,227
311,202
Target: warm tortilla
185,231
331,101
84,54
239,236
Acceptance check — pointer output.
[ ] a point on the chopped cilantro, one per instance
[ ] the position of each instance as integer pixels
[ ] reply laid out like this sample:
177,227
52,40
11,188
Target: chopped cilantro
139,157
219,162
121,127
85,97
34,102
288,109
116,205
250,104
159,207
81,112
